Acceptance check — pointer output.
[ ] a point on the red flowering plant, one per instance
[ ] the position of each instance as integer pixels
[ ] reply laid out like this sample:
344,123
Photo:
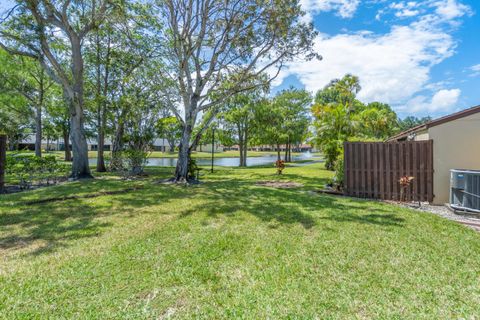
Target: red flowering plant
405,182
280,164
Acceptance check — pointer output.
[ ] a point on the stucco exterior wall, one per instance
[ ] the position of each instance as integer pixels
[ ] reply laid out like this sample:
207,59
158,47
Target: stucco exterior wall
456,145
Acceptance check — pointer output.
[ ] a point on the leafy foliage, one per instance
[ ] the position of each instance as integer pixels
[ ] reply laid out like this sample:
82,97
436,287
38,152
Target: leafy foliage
340,117
283,119
412,121
171,129
28,170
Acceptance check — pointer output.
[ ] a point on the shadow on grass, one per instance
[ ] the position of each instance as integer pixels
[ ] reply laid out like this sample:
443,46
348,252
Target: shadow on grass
288,206
47,227
375,219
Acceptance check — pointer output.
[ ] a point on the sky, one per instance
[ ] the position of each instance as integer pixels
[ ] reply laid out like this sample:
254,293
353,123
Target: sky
421,57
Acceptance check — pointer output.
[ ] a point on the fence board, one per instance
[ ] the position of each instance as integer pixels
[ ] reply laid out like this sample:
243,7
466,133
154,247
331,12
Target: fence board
372,170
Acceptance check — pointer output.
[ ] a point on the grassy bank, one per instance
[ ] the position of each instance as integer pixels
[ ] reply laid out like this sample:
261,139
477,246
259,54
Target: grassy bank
229,248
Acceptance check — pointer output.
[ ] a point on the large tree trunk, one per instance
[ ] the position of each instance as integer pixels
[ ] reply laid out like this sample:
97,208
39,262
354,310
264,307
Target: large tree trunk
102,105
3,160
101,123
240,149
185,148
288,157
100,150
74,94
117,146
245,148
38,130
181,171
66,142
241,145
80,166
278,152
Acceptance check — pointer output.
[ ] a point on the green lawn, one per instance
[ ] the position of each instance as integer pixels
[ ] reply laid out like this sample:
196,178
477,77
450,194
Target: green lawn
230,249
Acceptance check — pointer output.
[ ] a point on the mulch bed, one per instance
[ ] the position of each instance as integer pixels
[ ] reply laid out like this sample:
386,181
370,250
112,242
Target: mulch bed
279,184
330,192
15,188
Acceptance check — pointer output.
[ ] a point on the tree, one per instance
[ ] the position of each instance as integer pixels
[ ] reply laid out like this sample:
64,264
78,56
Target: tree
170,129
217,47
293,106
335,110
59,118
411,122
339,117
378,121
334,125
238,119
29,31
113,52
341,91
268,125
15,117
283,120
27,78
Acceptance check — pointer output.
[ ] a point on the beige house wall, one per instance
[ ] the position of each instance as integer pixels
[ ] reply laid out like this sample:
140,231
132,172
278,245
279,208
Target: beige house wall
456,145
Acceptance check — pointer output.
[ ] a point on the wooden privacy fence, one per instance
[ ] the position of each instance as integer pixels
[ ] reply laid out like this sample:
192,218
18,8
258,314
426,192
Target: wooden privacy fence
373,169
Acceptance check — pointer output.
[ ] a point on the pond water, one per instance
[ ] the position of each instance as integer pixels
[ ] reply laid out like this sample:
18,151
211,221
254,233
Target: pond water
222,162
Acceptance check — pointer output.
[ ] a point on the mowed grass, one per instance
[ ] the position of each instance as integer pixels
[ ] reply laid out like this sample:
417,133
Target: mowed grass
229,249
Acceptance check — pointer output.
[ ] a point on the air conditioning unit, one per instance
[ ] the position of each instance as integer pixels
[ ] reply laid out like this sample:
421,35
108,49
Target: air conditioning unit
465,190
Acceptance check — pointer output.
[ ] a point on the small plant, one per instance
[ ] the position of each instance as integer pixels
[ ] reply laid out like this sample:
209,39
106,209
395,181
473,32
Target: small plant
280,165
135,161
339,177
192,168
129,162
405,182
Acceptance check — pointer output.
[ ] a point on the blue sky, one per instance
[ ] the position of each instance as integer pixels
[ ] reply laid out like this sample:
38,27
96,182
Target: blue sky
421,57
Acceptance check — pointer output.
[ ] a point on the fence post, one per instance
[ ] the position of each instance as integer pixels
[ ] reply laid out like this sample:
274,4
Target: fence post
3,160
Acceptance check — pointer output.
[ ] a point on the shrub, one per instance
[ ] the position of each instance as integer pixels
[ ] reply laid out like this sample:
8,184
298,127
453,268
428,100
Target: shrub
339,177
30,169
192,168
280,164
331,151
135,161
129,162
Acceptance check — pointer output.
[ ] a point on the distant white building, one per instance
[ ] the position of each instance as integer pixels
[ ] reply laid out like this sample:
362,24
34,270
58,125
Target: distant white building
208,148
28,143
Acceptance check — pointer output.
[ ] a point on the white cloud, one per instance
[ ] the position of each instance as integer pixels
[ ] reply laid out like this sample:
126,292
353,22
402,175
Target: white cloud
344,8
405,9
451,9
475,70
393,67
442,100
407,13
